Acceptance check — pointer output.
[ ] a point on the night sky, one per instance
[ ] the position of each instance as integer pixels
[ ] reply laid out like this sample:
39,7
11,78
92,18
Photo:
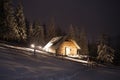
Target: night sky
97,16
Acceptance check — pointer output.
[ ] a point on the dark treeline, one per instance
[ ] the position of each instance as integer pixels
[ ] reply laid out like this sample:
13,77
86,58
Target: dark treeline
14,27
12,22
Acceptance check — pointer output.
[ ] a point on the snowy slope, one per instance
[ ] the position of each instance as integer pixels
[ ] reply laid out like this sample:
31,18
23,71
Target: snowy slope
17,64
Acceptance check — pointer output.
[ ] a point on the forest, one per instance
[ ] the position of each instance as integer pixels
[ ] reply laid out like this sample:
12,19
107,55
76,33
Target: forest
16,28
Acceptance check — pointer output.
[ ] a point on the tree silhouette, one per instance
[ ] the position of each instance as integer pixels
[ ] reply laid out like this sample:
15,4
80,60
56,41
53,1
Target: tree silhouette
51,30
105,52
71,33
21,22
59,32
83,42
29,31
37,34
2,30
9,28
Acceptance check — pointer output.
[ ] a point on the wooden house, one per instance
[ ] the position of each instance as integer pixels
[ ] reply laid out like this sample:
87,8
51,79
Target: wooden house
62,46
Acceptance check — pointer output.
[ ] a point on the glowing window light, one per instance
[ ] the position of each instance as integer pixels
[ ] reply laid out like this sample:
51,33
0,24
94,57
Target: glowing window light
67,50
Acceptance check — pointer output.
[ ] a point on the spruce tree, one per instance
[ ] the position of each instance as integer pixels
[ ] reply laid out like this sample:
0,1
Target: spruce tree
59,32
83,42
30,36
51,30
21,22
105,51
1,18
77,35
9,29
71,33
38,34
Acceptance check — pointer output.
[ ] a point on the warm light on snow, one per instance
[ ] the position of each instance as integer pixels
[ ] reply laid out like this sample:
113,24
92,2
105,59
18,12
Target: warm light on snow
65,70
77,60
40,47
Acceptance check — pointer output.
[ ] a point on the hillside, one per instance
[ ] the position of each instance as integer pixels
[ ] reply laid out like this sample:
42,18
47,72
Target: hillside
16,64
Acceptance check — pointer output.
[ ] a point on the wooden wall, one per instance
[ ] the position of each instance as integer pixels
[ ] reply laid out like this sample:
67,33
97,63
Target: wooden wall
67,44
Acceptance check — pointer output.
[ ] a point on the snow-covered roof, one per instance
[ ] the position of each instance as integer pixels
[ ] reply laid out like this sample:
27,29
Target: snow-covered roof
75,44
56,41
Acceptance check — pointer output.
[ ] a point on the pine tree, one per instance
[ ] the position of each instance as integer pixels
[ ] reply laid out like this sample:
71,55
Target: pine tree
92,48
1,18
38,34
59,32
77,35
29,31
21,22
9,29
71,33
51,30
83,42
105,52
42,39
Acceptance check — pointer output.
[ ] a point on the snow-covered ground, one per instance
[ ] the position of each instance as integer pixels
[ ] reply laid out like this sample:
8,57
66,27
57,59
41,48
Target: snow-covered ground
20,64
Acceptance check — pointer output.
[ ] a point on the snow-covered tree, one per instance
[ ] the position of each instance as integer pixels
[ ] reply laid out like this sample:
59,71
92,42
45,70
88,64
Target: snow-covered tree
105,52
38,34
21,21
8,25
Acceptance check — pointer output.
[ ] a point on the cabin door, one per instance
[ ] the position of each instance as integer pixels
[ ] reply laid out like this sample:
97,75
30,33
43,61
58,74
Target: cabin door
67,51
